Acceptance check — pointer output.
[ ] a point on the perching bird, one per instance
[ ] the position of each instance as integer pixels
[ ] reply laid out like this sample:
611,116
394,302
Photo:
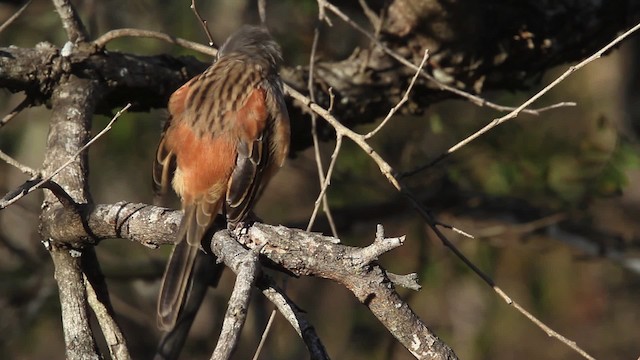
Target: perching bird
227,135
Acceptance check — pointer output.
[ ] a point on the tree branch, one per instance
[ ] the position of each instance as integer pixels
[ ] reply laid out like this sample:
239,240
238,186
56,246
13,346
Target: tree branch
73,102
98,296
238,306
316,255
298,251
78,336
71,22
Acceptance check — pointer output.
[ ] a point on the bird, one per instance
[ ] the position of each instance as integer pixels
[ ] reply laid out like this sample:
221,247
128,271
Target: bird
226,136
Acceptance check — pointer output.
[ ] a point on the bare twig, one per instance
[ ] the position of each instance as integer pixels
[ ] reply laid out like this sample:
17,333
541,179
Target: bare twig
15,16
324,185
203,22
313,254
31,187
23,105
404,99
23,168
322,199
265,335
373,18
104,312
228,250
71,22
295,316
513,114
262,11
322,14
454,229
127,32
380,245
522,228
238,306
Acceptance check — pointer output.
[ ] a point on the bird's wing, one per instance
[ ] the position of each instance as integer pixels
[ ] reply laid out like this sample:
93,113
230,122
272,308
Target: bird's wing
253,158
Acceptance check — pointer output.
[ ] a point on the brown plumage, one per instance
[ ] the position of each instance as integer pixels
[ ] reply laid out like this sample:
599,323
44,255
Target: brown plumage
227,134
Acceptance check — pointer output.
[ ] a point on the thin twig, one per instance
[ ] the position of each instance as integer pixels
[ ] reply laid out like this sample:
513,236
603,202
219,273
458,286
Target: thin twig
23,168
15,16
322,15
265,334
262,11
6,202
203,22
374,20
326,182
513,114
404,99
523,228
314,135
23,105
128,32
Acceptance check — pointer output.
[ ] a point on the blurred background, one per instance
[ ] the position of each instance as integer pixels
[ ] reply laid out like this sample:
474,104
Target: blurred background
552,200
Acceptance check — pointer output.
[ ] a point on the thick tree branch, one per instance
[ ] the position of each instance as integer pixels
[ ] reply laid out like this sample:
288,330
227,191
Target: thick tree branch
78,336
131,221
300,252
238,306
71,22
312,254
145,81
72,107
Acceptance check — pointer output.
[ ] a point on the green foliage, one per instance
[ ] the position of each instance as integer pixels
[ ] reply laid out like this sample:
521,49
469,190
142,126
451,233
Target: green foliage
547,166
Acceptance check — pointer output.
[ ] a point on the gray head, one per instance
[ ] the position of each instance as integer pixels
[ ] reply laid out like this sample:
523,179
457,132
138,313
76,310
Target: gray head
256,42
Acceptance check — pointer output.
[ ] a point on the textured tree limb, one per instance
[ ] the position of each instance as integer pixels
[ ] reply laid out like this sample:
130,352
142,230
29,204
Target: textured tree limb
298,251
72,108
78,336
98,297
238,305
144,81
131,221
73,103
76,32
229,250
293,314
313,254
